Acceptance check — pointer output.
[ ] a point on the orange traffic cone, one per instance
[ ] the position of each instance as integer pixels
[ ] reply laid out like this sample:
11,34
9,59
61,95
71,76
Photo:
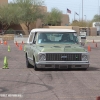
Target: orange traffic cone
96,45
5,42
17,44
98,98
89,48
22,42
93,40
20,47
1,42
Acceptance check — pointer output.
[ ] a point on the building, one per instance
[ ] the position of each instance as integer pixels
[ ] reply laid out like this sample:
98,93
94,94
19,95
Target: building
3,2
38,24
90,31
97,26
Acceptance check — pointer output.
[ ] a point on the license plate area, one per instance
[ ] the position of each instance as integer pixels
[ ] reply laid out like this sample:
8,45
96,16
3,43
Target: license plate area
63,66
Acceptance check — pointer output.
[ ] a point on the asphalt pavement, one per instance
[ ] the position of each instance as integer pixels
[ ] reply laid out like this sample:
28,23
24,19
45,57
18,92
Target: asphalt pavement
21,83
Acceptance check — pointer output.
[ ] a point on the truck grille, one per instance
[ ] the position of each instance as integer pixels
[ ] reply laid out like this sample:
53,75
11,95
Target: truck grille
63,57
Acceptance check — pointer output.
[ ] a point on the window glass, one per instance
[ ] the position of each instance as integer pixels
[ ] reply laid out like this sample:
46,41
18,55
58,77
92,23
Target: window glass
57,37
31,37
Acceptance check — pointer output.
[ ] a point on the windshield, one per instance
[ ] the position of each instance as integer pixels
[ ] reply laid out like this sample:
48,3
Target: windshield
57,37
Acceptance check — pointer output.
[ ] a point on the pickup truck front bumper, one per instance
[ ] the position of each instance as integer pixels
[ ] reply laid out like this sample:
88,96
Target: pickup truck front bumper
62,64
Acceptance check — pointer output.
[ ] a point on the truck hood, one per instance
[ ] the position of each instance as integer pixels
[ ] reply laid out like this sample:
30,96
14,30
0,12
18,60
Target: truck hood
60,48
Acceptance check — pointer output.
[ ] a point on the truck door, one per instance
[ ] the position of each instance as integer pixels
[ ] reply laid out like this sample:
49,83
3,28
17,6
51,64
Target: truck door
33,47
30,46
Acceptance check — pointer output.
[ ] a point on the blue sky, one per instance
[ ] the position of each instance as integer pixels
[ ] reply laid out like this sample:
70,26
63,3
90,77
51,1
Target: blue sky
90,7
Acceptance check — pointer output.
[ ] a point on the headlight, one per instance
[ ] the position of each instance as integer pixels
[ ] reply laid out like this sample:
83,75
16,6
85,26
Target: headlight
42,57
85,57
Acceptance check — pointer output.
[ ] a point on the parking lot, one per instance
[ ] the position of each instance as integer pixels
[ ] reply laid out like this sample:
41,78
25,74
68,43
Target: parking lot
21,83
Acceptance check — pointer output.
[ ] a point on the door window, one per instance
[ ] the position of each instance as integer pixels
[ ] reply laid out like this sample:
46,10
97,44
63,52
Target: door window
31,37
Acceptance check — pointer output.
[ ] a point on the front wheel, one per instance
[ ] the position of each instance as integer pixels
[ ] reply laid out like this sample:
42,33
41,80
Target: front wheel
84,69
28,65
35,67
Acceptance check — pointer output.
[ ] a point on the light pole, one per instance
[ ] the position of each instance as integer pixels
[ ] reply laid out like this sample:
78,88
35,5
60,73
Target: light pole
82,10
98,8
98,11
98,17
85,17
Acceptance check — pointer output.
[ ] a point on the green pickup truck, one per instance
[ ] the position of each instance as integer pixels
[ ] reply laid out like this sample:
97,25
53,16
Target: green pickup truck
55,48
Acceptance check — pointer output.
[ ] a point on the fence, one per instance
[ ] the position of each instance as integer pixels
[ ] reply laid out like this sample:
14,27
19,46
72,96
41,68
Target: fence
19,36
20,39
16,35
16,32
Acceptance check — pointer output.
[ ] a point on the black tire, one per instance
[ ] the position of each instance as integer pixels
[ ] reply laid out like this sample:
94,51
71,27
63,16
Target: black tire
28,65
35,68
84,69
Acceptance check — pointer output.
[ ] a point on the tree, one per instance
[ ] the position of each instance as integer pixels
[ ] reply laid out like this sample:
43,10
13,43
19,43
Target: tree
8,16
30,11
96,18
81,23
54,17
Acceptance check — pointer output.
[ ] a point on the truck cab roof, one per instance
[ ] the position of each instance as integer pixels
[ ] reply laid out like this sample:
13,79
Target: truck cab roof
51,30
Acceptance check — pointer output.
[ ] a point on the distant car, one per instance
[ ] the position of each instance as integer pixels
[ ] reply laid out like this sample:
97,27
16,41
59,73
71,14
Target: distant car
82,38
55,48
19,35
